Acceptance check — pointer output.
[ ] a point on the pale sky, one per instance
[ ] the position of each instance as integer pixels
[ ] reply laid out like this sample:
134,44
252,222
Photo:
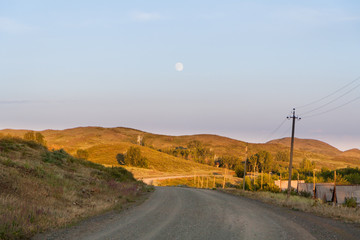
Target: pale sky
65,64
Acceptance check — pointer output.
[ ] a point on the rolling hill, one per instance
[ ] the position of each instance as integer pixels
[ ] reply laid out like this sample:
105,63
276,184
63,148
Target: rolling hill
103,144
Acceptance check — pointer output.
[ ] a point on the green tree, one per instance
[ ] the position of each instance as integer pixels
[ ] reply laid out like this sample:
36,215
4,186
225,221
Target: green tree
306,166
282,157
30,136
39,138
133,158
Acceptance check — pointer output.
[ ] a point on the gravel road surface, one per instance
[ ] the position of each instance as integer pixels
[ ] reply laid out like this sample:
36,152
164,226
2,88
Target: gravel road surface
186,213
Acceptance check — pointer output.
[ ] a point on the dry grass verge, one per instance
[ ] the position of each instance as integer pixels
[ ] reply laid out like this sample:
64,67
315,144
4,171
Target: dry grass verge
41,189
299,203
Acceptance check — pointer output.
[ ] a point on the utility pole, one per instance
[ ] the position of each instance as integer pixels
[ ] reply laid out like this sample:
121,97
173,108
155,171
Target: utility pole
291,149
334,192
314,184
246,154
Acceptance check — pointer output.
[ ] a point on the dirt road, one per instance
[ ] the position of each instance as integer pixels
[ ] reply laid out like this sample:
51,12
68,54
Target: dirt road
185,213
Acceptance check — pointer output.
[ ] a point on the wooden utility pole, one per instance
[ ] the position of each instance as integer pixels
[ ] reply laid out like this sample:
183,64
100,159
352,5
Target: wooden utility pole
334,198
224,182
262,177
246,153
297,185
314,183
291,149
214,183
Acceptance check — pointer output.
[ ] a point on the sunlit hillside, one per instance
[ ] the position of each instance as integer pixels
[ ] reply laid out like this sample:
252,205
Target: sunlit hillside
103,144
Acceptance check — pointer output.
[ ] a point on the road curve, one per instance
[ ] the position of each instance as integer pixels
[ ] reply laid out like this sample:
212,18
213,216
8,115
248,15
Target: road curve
186,213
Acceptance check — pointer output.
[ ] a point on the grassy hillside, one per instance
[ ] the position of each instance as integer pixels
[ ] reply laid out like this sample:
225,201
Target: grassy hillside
41,189
104,143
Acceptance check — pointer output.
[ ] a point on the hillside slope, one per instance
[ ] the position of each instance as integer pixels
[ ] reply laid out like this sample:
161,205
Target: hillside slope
41,189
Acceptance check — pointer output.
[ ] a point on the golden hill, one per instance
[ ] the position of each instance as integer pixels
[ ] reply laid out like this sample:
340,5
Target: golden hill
104,143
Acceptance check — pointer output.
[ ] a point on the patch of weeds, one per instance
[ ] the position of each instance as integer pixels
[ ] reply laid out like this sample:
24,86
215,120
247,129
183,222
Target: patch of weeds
350,202
8,162
40,172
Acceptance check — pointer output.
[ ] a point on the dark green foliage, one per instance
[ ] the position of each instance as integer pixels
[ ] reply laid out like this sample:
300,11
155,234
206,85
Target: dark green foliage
133,158
305,194
120,158
83,154
9,144
261,161
229,162
57,157
353,178
306,166
239,170
282,157
344,176
350,202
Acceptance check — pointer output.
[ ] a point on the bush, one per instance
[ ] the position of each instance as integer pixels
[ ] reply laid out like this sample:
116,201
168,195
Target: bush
83,154
120,158
133,158
305,194
350,202
57,157
239,170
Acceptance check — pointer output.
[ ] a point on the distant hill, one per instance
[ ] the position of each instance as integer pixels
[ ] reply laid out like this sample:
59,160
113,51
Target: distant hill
309,145
104,143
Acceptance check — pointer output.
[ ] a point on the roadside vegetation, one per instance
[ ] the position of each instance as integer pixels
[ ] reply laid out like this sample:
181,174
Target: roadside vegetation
299,203
42,189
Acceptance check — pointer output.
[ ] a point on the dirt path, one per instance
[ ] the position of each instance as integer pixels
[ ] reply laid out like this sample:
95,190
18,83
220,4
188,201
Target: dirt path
185,213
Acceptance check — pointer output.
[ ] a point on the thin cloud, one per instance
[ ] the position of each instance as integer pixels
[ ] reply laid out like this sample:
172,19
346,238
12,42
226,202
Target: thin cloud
8,25
145,16
15,101
316,16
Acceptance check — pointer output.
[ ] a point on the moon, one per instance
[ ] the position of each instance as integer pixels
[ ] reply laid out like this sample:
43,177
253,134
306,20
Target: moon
179,66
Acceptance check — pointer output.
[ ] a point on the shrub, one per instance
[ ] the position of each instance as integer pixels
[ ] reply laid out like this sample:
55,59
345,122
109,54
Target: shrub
239,170
57,157
120,158
350,202
83,154
305,194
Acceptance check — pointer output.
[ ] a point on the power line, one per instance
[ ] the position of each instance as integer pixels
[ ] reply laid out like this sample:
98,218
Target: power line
331,94
276,129
333,109
326,104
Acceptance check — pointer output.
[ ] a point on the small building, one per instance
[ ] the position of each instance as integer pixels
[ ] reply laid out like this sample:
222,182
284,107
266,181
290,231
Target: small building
347,191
